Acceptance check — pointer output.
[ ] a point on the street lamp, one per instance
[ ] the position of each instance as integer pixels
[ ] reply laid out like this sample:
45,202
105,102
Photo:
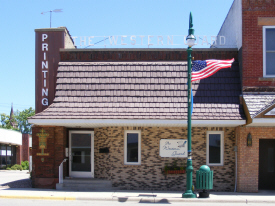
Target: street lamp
190,40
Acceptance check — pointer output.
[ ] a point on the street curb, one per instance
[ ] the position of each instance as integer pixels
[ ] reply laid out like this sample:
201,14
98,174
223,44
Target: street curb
135,199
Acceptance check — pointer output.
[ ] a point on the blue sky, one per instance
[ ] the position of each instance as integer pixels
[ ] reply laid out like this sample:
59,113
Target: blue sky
19,19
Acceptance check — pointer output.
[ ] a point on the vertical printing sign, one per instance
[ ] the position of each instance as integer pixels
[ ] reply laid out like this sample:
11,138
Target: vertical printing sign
44,70
173,148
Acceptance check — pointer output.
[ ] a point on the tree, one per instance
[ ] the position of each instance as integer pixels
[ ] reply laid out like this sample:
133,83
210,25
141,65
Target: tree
5,121
22,119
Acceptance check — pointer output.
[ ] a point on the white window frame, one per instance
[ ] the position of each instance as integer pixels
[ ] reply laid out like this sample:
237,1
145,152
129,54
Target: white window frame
222,148
264,50
139,147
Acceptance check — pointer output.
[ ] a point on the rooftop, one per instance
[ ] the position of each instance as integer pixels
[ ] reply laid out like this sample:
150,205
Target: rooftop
141,91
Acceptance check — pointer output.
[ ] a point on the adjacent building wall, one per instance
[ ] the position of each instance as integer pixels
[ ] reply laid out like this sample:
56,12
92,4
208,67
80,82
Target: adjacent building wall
252,35
231,28
248,157
25,147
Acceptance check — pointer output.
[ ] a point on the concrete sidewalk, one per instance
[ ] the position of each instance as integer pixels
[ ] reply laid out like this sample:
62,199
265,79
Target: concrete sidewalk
137,196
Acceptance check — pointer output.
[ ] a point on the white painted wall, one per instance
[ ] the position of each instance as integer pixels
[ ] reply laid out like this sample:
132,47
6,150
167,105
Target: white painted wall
232,27
12,137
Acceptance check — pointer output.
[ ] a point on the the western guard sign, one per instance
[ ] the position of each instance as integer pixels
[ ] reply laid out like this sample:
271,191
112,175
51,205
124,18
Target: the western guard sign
173,148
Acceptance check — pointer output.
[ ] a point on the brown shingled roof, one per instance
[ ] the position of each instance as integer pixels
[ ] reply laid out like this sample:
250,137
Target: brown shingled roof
141,90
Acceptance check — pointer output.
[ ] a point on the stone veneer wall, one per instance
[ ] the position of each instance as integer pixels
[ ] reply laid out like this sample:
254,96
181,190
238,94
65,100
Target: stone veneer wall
148,175
248,157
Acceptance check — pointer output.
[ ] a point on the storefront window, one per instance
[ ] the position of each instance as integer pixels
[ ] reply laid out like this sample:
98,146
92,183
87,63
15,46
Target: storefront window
13,155
214,148
9,155
3,153
132,147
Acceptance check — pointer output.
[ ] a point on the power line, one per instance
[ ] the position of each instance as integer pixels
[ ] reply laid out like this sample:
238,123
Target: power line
9,104
99,41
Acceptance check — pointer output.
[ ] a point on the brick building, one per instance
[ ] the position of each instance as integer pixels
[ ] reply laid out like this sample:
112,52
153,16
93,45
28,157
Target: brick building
107,110
14,147
250,27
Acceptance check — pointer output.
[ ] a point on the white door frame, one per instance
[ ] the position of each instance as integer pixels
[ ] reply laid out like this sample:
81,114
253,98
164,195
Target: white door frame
76,173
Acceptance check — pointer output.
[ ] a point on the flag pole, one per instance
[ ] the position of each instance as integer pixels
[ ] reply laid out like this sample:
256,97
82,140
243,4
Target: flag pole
189,170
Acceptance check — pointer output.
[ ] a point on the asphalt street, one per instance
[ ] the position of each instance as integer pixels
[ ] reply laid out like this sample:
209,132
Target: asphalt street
28,202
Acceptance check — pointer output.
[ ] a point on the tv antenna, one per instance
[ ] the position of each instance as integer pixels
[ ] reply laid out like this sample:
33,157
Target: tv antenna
56,10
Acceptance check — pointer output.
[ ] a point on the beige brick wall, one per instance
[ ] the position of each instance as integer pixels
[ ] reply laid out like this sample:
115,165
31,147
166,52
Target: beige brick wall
148,175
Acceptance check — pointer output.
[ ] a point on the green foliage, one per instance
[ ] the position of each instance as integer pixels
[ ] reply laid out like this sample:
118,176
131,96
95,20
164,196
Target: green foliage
25,165
166,167
22,120
5,121
3,167
175,166
16,167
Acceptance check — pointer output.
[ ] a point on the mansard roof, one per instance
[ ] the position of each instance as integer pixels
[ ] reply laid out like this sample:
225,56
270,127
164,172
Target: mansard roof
142,90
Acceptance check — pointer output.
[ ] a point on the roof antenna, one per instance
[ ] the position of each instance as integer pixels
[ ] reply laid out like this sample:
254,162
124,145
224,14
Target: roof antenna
56,10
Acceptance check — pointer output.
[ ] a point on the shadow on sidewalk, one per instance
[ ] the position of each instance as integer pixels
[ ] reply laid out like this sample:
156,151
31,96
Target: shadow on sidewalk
24,183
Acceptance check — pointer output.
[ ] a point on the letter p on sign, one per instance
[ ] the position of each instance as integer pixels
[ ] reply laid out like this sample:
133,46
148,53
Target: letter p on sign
44,36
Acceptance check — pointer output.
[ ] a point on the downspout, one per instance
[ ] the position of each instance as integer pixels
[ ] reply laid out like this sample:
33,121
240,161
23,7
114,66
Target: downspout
236,166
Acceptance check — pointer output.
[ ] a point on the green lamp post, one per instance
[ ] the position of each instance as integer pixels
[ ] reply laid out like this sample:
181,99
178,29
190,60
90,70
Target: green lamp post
190,40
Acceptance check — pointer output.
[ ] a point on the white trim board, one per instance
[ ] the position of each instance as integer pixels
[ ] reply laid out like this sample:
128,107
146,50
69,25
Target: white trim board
263,122
95,123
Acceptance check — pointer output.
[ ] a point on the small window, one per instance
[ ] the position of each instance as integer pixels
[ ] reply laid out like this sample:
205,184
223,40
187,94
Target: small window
269,51
132,147
214,148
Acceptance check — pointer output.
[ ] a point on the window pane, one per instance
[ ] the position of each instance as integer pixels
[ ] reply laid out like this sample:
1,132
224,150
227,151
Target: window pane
8,150
270,39
214,148
132,147
270,63
3,152
8,155
81,152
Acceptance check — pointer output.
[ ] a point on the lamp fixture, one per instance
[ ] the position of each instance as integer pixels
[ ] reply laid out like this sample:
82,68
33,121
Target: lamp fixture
249,140
190,40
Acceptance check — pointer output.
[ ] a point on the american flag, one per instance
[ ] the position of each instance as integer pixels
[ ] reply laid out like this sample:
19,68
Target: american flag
204,69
